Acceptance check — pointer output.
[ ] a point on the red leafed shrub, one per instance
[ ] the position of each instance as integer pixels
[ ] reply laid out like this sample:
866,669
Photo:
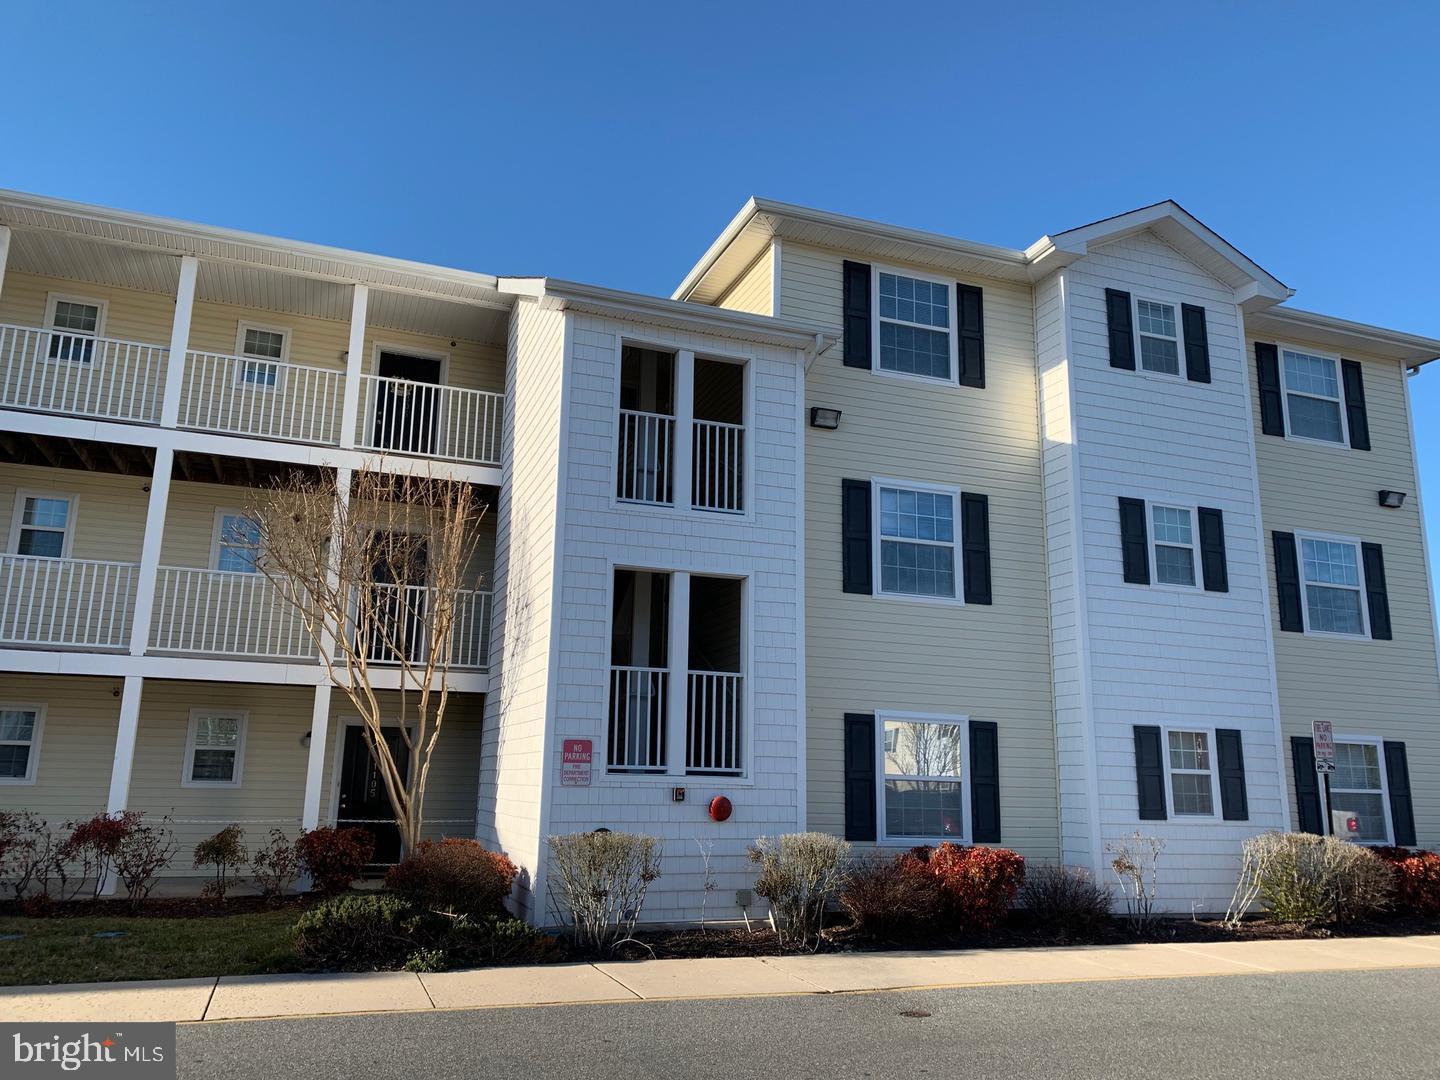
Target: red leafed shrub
977,884
891,898
90,848
458,876
1417,880
334,857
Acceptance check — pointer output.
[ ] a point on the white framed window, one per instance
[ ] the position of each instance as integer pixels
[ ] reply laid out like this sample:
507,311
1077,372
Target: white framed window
1190,768
914,530
1314,408
43,524
921,780
1359,791
235,543
214,748
1333,577
20,730
1172,544
1157,327
913,329
264,349
75,322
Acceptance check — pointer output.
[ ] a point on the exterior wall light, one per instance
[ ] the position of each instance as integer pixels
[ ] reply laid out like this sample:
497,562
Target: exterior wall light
825,419
1392,500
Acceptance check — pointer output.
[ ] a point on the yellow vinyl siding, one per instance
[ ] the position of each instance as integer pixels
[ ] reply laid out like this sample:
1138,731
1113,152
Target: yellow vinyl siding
753,291
109,510
77,745
131,315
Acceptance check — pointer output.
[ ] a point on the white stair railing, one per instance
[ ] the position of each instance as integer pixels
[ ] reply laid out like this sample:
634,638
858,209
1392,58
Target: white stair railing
226,613
717,477
66,602
404,417
79,375
644,450
239,395
638,698
714,725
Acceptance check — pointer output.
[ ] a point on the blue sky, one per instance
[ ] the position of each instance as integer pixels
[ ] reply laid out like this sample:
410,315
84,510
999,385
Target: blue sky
609,143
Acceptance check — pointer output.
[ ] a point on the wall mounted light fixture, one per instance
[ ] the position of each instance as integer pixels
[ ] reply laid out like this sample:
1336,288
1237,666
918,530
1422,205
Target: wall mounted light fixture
825,419
1392,500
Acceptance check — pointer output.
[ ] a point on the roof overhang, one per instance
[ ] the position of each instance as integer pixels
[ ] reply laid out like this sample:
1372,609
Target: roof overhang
1283,323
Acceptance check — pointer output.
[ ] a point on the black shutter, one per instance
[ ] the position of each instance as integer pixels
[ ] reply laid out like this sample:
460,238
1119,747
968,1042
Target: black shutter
1122,334
1355,418
1373,559
1230,755
856,311
1212,550
1287,582
1267,377
1134,541
1397,779
1197,343
975,545
859,776
970,320
855,535
984,782
1149,773
1307,786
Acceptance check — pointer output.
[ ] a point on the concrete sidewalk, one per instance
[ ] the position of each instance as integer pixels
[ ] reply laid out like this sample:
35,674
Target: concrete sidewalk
248,997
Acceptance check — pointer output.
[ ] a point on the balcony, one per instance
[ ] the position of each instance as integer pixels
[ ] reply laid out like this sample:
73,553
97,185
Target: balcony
405,417
66,603
267,399
78,375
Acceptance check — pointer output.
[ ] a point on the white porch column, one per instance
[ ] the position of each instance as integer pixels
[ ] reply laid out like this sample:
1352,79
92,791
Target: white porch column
354,364
684,425
120,769
315,767
4,252
179,341
678,694
150,550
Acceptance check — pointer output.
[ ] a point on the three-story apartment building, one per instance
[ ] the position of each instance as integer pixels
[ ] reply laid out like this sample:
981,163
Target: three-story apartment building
866,530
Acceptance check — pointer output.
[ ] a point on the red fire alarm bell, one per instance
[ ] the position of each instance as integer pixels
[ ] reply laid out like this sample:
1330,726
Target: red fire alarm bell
720,808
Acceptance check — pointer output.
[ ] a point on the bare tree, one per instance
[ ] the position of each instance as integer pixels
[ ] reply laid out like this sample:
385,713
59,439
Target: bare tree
380,575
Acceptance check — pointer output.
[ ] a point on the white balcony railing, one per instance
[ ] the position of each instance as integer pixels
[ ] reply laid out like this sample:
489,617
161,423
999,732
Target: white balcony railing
405,612
404,417
645,447
717,479
714,723
54,372
225,613
82,603
637,719
266,398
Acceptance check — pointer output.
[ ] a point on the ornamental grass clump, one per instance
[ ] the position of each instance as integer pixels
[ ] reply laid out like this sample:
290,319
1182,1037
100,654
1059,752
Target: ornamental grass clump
1310,880
598,882
800,873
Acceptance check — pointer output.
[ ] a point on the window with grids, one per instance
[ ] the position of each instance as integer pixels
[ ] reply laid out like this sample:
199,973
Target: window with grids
917,542
1312,396
1331,569
77,324
19,731
263,349
44,524
1192,791
237,544
1357,788
922,780
914,325
1173,537
215,741
1159,340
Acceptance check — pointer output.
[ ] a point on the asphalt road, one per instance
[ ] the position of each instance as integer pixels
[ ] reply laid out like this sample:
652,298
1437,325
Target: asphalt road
1310,1026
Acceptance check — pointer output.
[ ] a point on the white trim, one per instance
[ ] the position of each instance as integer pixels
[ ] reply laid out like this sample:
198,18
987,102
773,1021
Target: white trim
802,430
951,330
1379,744
1179,339
102,307
1210,749
32,765
1339,400
378,346
1301,535
221,513
963,780
1196,570
188,764
241,327
67,543
878,538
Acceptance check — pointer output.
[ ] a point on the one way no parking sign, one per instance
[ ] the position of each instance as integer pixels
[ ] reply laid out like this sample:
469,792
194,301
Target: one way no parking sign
1324,738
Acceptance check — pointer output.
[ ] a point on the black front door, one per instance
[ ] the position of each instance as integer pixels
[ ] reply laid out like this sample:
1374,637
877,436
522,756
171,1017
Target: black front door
406,412
363,802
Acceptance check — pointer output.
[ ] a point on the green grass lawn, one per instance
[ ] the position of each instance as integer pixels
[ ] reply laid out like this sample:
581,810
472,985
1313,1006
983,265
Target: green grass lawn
63,950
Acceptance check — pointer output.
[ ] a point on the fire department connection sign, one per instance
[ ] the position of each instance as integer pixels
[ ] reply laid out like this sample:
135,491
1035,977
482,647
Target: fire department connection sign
1324,737
575,757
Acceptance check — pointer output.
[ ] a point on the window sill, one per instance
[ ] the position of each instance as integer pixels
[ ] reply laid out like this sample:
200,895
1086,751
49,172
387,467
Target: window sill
923,380
906,598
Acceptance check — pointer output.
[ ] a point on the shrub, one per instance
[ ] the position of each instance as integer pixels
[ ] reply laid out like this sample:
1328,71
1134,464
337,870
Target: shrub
275,866
29,854
426,960
1417,880
894,897
334,857
362,930
1136,864
977,884
799,874
598,882
91,848
225,852
456,876
1307,879
495,939
1066,898
142,854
